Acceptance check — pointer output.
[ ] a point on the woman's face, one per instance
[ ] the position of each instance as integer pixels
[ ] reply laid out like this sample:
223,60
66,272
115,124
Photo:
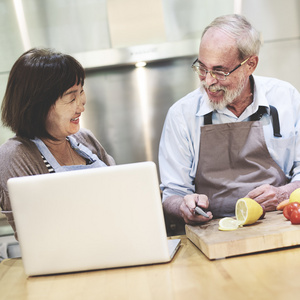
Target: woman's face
63,117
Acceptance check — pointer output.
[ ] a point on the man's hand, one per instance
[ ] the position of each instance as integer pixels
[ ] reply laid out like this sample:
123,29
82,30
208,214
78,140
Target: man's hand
269,196
187,209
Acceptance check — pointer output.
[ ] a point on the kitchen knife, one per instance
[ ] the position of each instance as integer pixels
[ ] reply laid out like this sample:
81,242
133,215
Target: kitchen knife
200,211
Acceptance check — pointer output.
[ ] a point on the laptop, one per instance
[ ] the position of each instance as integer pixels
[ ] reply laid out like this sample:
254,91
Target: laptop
90,219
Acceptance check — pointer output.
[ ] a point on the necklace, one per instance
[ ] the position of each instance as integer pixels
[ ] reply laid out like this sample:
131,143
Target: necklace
57,154
70,151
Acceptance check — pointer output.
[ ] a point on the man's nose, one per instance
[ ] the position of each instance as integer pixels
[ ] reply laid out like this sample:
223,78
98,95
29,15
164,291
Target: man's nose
209,79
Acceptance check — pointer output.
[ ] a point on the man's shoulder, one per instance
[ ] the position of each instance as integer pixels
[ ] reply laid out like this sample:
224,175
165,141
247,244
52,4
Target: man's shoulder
189,102
272,83
275,90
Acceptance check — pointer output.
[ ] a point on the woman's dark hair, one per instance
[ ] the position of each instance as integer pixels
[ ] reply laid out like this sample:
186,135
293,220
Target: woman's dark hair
37,79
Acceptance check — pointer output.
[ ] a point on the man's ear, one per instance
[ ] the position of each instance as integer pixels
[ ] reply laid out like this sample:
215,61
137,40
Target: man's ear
252,64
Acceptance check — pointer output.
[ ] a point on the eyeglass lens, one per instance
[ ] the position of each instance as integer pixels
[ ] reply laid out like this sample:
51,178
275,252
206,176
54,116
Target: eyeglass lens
203,72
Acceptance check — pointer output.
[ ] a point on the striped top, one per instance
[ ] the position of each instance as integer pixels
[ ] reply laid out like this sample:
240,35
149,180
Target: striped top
49,167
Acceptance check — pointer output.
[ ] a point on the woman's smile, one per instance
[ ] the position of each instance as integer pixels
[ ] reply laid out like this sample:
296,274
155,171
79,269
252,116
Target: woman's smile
75,120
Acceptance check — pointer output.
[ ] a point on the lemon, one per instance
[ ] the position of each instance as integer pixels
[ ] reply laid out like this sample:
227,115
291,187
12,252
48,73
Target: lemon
247,211
295,196
228,224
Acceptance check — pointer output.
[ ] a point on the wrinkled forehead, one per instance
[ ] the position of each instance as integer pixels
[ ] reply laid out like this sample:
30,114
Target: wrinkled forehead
217,48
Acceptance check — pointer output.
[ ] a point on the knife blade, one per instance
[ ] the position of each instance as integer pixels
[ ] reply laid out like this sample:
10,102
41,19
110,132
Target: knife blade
201,212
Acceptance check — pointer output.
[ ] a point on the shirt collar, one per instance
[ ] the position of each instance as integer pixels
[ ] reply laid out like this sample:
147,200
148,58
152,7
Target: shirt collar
259,95
205,107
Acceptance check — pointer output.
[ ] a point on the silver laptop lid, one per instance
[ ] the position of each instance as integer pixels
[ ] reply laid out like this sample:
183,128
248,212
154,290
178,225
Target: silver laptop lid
90,219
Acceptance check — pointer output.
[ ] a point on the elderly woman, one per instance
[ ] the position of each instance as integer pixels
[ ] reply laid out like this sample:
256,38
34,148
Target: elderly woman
43,103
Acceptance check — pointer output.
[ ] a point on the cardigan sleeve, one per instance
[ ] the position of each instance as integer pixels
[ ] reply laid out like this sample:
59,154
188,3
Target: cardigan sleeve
18,157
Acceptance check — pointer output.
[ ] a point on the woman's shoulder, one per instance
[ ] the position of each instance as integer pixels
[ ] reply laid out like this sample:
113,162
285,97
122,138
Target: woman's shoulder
84,133
87,138
16,145
20,157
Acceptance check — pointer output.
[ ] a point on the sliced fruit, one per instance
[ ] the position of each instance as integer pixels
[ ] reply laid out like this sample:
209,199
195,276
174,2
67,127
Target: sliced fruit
247,211
228,223
295,196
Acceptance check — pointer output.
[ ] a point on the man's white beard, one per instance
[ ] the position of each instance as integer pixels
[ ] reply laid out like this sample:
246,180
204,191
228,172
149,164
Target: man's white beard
229,95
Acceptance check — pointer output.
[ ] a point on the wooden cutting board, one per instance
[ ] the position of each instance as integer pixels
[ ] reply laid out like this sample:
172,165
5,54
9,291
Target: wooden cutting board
272,232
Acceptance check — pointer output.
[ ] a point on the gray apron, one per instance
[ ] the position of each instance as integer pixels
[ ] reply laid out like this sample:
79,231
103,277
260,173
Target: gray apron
233,160
83,151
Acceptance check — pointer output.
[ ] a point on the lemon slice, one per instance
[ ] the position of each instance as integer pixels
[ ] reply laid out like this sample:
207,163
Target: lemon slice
227,223
247,211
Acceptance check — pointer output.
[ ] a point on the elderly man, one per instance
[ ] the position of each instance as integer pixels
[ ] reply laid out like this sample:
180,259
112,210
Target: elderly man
236,136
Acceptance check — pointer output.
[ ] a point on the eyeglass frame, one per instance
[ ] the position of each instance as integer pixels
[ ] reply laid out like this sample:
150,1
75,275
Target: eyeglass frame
212,73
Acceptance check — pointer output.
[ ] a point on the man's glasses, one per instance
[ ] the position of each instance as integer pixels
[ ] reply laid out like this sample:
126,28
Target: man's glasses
219,75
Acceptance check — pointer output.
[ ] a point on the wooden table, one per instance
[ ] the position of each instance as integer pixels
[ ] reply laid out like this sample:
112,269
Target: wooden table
191,275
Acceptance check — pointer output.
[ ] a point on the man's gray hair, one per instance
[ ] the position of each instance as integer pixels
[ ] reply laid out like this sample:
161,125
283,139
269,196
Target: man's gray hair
237,27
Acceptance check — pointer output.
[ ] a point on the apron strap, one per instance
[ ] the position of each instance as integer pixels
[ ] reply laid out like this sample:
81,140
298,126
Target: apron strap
208,118
275,121
256,117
